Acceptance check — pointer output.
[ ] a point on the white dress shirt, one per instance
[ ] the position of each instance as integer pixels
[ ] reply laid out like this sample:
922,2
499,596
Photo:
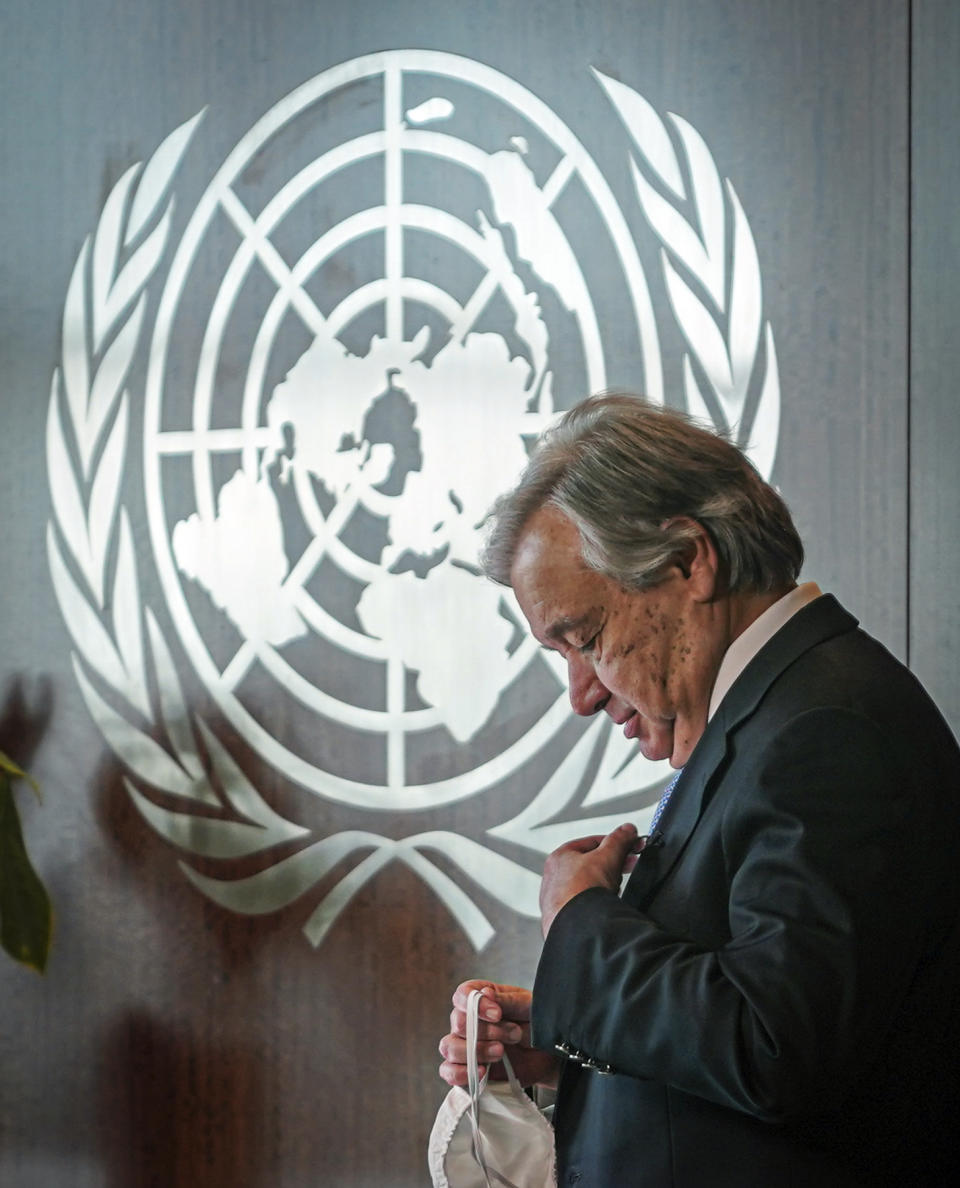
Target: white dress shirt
761,631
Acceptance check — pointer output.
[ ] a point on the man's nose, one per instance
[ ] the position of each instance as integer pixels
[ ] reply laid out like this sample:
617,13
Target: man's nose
587,692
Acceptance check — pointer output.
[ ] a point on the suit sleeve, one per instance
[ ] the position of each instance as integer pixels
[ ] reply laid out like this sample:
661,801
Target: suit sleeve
824,900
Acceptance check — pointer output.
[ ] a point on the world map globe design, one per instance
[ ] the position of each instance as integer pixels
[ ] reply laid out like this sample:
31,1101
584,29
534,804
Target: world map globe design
317,532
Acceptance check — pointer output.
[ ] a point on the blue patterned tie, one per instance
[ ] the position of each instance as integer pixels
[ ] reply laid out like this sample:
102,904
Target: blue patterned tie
664,801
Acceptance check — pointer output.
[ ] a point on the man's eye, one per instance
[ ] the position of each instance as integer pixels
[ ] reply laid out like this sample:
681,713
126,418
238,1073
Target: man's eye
590,645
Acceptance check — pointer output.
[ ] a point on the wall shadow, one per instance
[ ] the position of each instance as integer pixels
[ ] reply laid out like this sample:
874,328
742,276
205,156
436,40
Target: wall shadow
25,711
175,1108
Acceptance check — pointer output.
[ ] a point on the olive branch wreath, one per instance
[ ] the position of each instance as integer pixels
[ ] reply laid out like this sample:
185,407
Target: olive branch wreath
144,718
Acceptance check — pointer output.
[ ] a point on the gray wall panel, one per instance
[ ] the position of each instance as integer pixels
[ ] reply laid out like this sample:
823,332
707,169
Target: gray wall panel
173,1041
935,354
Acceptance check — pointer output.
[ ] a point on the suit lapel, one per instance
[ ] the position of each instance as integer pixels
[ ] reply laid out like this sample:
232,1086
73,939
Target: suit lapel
663,847
816,622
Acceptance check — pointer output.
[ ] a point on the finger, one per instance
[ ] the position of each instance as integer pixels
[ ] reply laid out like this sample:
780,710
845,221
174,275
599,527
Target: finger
506,1031
581,845
620,841
463,991
453,1049
456,1074
498,1002
633,855
522,1036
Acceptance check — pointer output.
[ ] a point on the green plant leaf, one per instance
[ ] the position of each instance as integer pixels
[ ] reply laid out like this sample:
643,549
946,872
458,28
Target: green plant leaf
8,765
26,917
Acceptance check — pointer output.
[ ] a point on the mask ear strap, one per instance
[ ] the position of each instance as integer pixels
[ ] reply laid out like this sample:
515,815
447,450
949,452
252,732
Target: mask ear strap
473,1017
475,1084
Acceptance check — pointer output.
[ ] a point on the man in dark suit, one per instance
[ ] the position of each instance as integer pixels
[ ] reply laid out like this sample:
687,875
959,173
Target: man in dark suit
774,999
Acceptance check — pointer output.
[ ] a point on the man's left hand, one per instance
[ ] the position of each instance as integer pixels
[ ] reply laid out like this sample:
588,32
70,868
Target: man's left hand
598,861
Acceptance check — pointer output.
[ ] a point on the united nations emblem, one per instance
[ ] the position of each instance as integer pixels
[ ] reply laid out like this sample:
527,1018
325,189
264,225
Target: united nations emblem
393,283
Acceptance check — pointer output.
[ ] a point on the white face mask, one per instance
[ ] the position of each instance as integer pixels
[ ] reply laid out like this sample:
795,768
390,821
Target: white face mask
492,1135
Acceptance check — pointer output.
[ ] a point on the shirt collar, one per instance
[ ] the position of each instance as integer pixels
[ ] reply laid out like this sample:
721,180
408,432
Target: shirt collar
761,631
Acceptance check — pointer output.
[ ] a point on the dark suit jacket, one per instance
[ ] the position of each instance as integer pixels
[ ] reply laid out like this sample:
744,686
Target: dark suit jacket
777,989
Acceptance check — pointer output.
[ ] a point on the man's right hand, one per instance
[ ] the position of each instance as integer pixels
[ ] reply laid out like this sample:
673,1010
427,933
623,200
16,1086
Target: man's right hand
504,1025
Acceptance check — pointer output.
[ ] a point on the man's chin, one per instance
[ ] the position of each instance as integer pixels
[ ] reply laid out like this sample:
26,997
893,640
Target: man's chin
656,746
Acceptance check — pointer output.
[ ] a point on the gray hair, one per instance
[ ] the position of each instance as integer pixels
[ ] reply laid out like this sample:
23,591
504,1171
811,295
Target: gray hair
632,475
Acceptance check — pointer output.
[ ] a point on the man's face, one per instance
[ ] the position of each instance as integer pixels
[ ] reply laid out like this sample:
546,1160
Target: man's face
647,658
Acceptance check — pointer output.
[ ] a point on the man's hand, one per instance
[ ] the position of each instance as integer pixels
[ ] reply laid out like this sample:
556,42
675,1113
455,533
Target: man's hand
504,1024
585,862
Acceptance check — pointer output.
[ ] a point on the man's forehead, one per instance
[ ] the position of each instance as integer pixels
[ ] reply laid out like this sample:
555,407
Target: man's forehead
548,537
556,590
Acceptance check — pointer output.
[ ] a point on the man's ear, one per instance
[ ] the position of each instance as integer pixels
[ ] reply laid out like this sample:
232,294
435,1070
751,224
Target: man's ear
697,559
